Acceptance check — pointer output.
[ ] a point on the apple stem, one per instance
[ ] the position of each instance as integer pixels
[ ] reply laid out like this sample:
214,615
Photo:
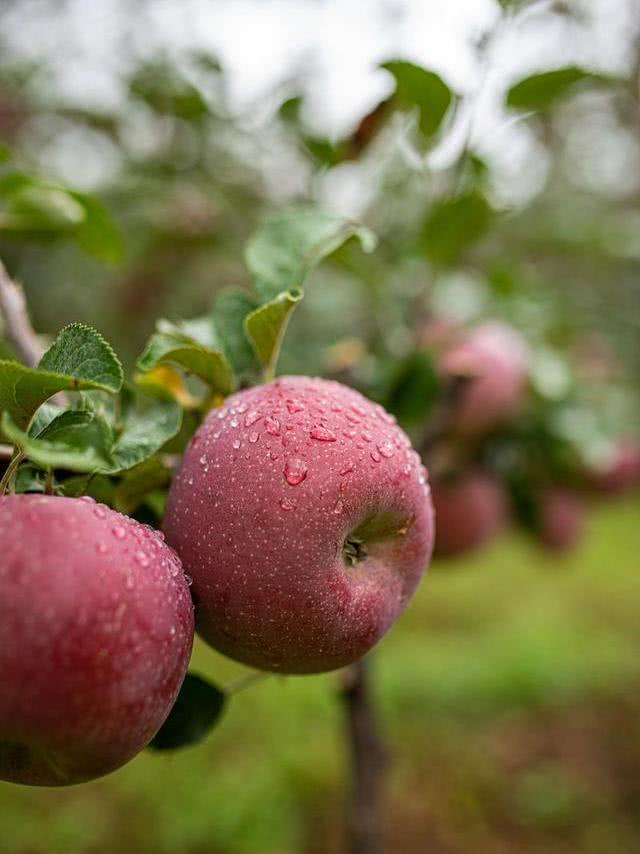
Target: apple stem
368,760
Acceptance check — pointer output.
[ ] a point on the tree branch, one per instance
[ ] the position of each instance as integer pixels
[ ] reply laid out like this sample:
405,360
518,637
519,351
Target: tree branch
368,759
17,326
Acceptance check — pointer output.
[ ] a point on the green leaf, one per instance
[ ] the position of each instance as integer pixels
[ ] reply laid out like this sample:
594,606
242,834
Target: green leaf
138,482
77,440
413,390
97,234
539,91
286,248
418,87
5,153
176,347
167,92
265,327
81,352
147,426
230,309
454,224
40,208
198,707
79,359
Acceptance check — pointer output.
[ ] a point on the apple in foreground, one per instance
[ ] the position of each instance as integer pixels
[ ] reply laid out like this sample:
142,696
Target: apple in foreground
96,629
305,520
470,509
493,358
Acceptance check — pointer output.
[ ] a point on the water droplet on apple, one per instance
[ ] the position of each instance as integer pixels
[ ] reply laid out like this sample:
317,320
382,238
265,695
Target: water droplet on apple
386,449
287,504
99,511
322,434
119,532
295,471
236,443
272,425
87,499
203,460
101,548
295,406
253,437
339,506
251,418
234,422
346,469
141,559
367,436
375,456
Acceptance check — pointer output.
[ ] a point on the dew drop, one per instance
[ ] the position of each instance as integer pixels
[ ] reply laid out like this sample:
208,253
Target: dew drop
352,418
272,426
287,504
203,460
222,414
350,434
386,449
236,443
251,418
119,532
241,407
322,434
375,456
346,469
188,579
295,406
234,422
295,471
87,499
99,511
101,548
367,436
339,506
253,437
141,559
273,456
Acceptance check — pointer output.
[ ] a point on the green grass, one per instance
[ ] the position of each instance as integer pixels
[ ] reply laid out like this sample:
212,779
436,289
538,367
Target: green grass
510,638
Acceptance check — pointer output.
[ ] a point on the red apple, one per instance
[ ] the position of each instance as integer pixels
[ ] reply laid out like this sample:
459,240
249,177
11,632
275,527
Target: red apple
470,509
561,518
305,520
493,357
96,628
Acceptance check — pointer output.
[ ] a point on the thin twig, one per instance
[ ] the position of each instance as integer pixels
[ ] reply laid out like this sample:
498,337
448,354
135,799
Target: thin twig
17,326
368,760
7,478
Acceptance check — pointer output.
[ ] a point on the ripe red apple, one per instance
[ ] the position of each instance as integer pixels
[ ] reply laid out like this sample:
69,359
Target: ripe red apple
96,628
560,518
494,358
305,520
470,509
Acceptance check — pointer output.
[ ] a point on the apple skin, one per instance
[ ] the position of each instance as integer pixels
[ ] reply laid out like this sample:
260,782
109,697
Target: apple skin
270,488
560,518
96,629
494,357
469,510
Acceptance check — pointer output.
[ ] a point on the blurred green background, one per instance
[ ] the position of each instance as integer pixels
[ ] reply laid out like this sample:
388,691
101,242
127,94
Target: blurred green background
497,157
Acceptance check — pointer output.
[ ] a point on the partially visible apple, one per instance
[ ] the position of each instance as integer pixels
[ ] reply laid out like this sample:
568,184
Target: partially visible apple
620,470
96,628
493,359
305,520
560,518
470,509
